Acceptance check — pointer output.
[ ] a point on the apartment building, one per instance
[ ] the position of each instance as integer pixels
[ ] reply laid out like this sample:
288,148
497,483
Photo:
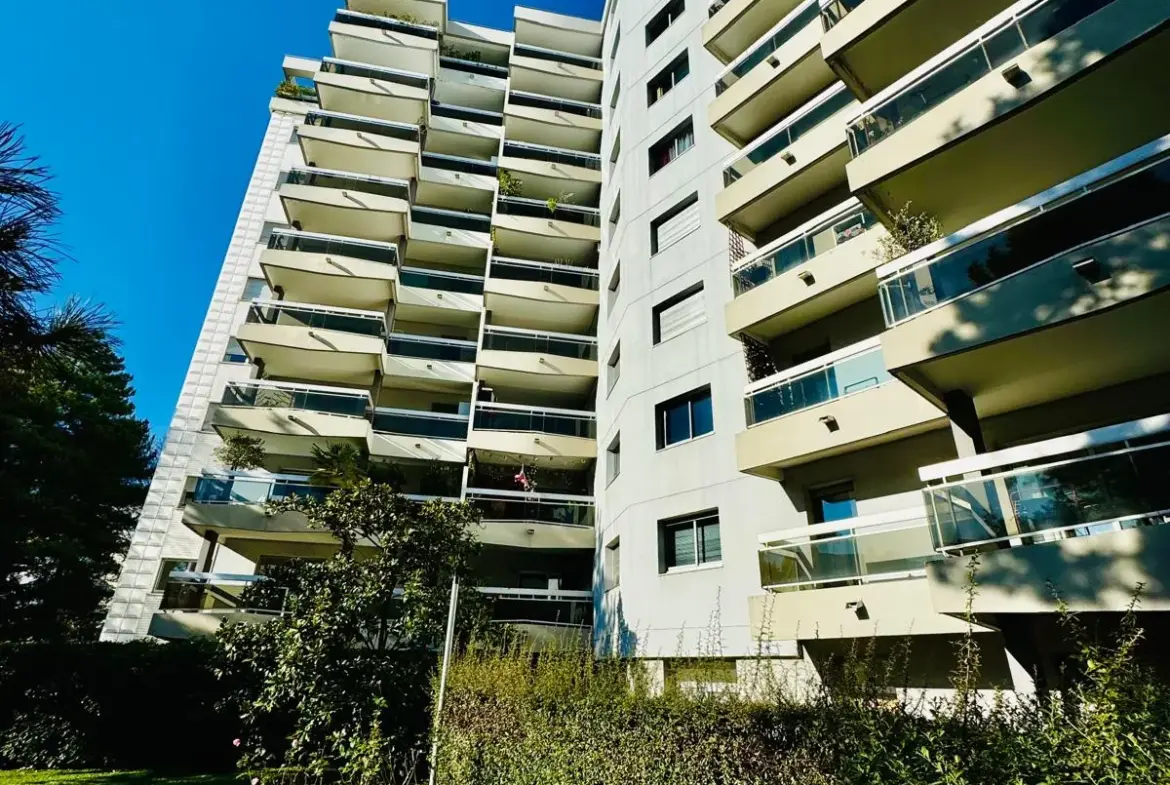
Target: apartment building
497,261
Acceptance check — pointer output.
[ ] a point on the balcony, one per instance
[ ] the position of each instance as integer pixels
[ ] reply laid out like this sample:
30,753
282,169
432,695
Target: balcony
439,297
538,119
348,143
839,403
419,435
568,34
302,341
374,91
533,520
450,236
537,361
535,229
563,438
195,605
737,24
345,204
232,505
541,606
800,159
457,130
454,182
536,69
541,295
385,41
292,418
331,270
423,362
992,111
1078,517
550,171
818,269
1008,309
769,81
427,12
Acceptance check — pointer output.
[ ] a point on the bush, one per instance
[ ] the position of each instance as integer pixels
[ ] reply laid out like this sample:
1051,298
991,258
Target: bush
138,705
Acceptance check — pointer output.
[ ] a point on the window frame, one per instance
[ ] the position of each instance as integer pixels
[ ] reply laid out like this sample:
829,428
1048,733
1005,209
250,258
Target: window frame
673,212
259,295
688,399
668,303
613,459
160,580
697,522
663,19
613,368
234,342
655,82
669,143
613,564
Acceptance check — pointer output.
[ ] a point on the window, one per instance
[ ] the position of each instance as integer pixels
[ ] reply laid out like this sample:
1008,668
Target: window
617,93
169,566
667,78
683,418
664,19
834,502
613,459
616,151
613,564
613,368
675,224
689,541
615,285
613,49
680,139
677,314
234,353
255,289
615,215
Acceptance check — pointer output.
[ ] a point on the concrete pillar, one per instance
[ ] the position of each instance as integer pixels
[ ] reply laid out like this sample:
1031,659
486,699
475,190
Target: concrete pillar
967,432
207,551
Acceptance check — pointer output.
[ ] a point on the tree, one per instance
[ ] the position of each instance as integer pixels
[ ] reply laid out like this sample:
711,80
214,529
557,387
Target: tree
907,232
341,678
338,464
239,452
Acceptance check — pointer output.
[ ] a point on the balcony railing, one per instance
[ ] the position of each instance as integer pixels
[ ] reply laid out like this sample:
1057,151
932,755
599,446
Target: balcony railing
556,56
528,419
294,90
309,242
306,397
544,272
348,320
808,244
557,509
1121,204
555,155
412,422
850,370
348,68
563,607
430,348
457,163
419,29
368,125
549,210
1105,480
784,31
513,339
960,65
466,113
242,489
211,592
833,11
865,549
452,219
328,178
440,280
521,98
788,130
472,67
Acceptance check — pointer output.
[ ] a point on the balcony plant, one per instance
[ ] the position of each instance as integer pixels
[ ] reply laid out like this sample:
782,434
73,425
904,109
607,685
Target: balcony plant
470,55
510,185
291,90
240,453
908,231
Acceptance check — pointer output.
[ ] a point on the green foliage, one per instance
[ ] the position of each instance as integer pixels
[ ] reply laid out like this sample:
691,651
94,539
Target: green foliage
338,464
293,91
510,184
75,777
757,359
907,232
470,55
239,452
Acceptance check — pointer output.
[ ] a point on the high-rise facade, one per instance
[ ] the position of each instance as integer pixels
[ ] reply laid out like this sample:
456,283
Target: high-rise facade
632,287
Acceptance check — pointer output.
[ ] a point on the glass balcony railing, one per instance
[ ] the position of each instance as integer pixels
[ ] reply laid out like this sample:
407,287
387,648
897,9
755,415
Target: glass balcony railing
466,113
939,79
452,219
501,506
310,398
538,208
506,339
236,489
833,11
554,155
367,125
555,610
526,419
855,369
1123,485
419,29
347,68
791,128
327,178
583,108
457,163
540,53
775,38
430,348
307,242
812,243
303,315
440,280
1118,208
544,272
861,550
412,422
473,67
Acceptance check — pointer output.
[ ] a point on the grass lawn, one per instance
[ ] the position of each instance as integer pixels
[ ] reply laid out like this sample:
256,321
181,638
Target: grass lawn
29,777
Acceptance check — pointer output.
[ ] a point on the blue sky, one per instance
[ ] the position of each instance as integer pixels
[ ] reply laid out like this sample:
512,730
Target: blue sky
150,117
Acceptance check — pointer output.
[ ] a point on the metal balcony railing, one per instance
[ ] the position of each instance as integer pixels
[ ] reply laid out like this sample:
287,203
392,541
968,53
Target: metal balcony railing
473,67
365,125
452,219
543,272
535,100
347,320
512,339
548,508
440,280
556,56
548,210
531,419
466,113
413,422
310,242
833,11
555,155
784,31
245,489
431,348
305,397
381,73
419,29
328,178
457,163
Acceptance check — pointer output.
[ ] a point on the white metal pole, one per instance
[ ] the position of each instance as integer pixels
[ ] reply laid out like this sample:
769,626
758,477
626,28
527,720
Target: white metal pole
448,644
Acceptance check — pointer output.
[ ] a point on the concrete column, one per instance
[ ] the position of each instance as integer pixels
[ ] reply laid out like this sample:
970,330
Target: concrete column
207,551
968,435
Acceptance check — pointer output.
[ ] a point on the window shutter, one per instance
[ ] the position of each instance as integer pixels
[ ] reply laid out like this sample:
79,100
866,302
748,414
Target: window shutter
682,316
678,226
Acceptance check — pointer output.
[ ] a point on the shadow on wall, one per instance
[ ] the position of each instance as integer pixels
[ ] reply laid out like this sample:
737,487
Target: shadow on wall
612,636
